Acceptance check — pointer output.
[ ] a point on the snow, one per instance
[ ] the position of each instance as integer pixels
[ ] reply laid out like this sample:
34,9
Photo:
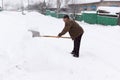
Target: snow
25,58
112,10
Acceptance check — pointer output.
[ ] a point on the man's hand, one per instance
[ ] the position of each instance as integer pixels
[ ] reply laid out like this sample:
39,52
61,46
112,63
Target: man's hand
59,35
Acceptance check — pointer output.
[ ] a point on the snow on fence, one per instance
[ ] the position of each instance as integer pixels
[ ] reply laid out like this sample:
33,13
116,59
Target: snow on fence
109,10
108,15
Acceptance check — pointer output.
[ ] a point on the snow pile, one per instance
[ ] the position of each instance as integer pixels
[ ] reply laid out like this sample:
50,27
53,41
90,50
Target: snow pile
25,58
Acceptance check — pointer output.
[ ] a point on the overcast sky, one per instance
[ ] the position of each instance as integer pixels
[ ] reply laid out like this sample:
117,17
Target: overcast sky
53,2
14,2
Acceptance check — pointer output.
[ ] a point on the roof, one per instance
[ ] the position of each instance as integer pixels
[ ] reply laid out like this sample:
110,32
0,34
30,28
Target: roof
111,0
111,10
82,1
87,1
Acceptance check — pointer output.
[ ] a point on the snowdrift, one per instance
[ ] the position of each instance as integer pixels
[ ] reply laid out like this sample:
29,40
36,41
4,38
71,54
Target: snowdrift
25,58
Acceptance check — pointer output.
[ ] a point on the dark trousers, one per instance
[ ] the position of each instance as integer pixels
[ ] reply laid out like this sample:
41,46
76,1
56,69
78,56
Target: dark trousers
77,42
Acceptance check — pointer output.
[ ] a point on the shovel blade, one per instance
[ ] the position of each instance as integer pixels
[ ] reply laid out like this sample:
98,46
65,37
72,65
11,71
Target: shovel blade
35,33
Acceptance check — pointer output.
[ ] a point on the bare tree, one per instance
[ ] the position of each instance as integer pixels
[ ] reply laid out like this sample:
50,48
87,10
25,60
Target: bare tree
2,4
59,3
66,3
28,4
74,9
22,7
101,0
43,7
58,6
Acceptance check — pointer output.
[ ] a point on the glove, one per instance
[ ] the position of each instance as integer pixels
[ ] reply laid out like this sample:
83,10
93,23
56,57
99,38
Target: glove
59,35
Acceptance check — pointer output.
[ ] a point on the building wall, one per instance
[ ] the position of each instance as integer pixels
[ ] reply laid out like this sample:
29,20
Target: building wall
92,6
89,7
112,3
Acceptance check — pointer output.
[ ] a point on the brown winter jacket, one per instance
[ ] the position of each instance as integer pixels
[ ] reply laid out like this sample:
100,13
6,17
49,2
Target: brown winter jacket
73,28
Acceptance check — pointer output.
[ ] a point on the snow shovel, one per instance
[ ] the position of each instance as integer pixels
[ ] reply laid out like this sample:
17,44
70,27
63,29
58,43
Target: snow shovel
37,34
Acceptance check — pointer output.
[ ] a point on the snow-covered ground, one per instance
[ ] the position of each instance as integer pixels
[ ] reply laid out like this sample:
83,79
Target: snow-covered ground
25,58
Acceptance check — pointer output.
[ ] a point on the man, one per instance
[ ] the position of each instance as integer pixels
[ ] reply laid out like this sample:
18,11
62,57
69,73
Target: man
75,31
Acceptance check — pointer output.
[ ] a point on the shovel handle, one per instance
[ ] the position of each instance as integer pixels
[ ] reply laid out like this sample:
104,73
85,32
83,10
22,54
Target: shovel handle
56,37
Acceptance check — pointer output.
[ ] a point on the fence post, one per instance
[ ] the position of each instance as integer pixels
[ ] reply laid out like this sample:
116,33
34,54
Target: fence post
119,19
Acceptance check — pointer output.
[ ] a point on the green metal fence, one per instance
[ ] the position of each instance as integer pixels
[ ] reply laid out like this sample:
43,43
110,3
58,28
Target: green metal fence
48,12
79,17
61,15
90,17
94,18
53,14
105,20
